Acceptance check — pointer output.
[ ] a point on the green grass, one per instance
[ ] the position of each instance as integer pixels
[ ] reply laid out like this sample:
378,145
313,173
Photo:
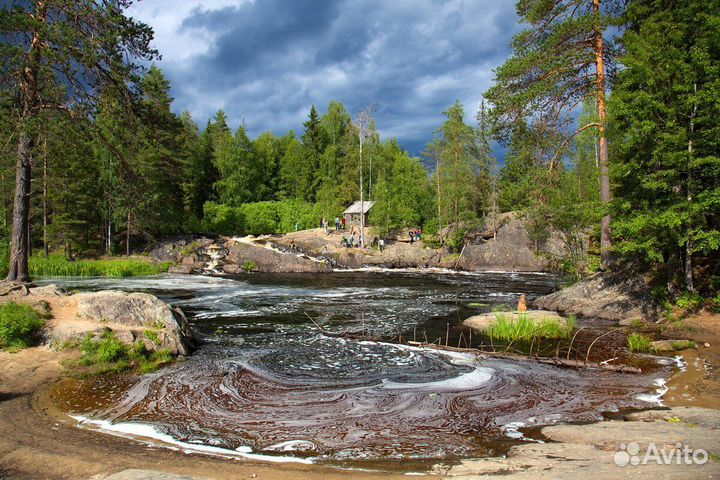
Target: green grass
508,329
107,354
20,326
637,342
682,345
59,266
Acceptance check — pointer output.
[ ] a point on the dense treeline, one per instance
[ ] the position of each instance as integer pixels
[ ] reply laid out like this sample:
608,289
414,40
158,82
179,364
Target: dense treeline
608,111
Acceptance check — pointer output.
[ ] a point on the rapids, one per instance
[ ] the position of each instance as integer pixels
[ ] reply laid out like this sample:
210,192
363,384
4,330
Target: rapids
266,380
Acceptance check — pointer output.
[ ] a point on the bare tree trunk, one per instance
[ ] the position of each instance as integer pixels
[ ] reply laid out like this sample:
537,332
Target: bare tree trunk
18,270
688,242
439,198
605,196
19,241
46,249
108,249
362,198
127,236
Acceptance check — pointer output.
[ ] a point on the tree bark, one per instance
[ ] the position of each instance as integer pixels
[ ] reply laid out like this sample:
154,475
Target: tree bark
28,87
127,236
46,249
18,270
688,241
605,196
439,198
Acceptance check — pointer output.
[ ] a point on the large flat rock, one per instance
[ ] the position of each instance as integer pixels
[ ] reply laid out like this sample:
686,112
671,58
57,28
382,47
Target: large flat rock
596,451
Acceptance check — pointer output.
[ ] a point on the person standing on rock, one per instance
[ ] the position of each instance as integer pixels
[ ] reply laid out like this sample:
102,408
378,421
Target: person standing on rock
343,223
381,244
412,236
337,224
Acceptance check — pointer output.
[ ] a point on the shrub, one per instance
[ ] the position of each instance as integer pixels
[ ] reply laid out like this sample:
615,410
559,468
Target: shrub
716,303
689,301
20,326
261,217
249,266
637,342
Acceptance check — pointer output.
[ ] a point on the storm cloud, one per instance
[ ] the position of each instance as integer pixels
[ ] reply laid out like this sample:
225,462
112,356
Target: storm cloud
265,62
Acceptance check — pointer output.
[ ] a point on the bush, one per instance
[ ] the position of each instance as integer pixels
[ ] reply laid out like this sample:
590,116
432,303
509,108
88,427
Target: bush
249,266
58,265
637,342
20,326
261,218
689,301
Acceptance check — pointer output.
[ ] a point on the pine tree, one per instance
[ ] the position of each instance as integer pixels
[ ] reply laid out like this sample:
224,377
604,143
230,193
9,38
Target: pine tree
557,63
85,44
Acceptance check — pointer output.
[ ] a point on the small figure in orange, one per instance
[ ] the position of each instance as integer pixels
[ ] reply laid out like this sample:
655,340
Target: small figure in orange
522,307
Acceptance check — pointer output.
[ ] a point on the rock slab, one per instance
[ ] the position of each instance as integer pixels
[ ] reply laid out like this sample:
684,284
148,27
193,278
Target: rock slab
139,312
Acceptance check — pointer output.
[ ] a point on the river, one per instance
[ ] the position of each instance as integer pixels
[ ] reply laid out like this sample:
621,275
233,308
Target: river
267,381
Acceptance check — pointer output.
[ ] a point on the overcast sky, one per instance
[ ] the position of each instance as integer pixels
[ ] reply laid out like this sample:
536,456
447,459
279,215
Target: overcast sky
267,61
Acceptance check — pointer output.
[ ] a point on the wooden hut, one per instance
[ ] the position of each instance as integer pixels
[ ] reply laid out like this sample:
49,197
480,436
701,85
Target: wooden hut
352,214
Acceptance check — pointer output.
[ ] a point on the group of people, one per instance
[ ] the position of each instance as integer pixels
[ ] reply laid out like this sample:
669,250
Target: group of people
415,235
339,222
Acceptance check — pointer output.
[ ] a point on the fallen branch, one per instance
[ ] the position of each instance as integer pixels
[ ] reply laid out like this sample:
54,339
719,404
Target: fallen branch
560,362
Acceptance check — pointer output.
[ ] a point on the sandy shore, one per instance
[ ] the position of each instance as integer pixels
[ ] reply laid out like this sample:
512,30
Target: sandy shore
38,441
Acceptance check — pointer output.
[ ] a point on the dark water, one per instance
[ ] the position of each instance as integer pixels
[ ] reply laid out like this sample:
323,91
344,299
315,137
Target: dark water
267,378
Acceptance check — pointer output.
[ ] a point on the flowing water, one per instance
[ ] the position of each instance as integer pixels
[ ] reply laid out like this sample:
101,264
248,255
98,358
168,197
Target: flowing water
267,380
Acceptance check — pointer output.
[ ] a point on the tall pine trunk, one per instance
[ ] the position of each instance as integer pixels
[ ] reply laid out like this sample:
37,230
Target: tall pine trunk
605,196
127,236
439,198
18,270
46,249
19,242
688,241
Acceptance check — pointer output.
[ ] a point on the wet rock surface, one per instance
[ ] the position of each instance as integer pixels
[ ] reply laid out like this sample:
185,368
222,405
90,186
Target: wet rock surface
616,296
603,450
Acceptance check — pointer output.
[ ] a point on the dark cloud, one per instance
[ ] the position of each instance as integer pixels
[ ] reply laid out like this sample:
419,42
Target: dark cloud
267,61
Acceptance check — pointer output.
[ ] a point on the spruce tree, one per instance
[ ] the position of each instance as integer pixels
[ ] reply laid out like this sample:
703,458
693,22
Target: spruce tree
665,109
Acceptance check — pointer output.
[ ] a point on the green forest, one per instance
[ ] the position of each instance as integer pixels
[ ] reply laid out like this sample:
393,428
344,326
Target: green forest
607,111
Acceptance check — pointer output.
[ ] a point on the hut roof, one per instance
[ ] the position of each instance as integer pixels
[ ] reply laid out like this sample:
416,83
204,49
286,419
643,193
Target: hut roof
355,207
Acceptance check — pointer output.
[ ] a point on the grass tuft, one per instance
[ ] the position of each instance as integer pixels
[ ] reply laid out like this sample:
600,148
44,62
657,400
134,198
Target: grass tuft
637,342
20,326
59,266
107,354
508,329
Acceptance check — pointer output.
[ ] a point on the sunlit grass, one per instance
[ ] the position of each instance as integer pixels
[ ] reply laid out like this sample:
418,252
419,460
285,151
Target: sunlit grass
637,342
107,354
59,266
510,329
20,326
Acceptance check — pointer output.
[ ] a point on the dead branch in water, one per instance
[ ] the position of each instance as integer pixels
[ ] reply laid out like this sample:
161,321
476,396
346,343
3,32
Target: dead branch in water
349,336
560,362
437,345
